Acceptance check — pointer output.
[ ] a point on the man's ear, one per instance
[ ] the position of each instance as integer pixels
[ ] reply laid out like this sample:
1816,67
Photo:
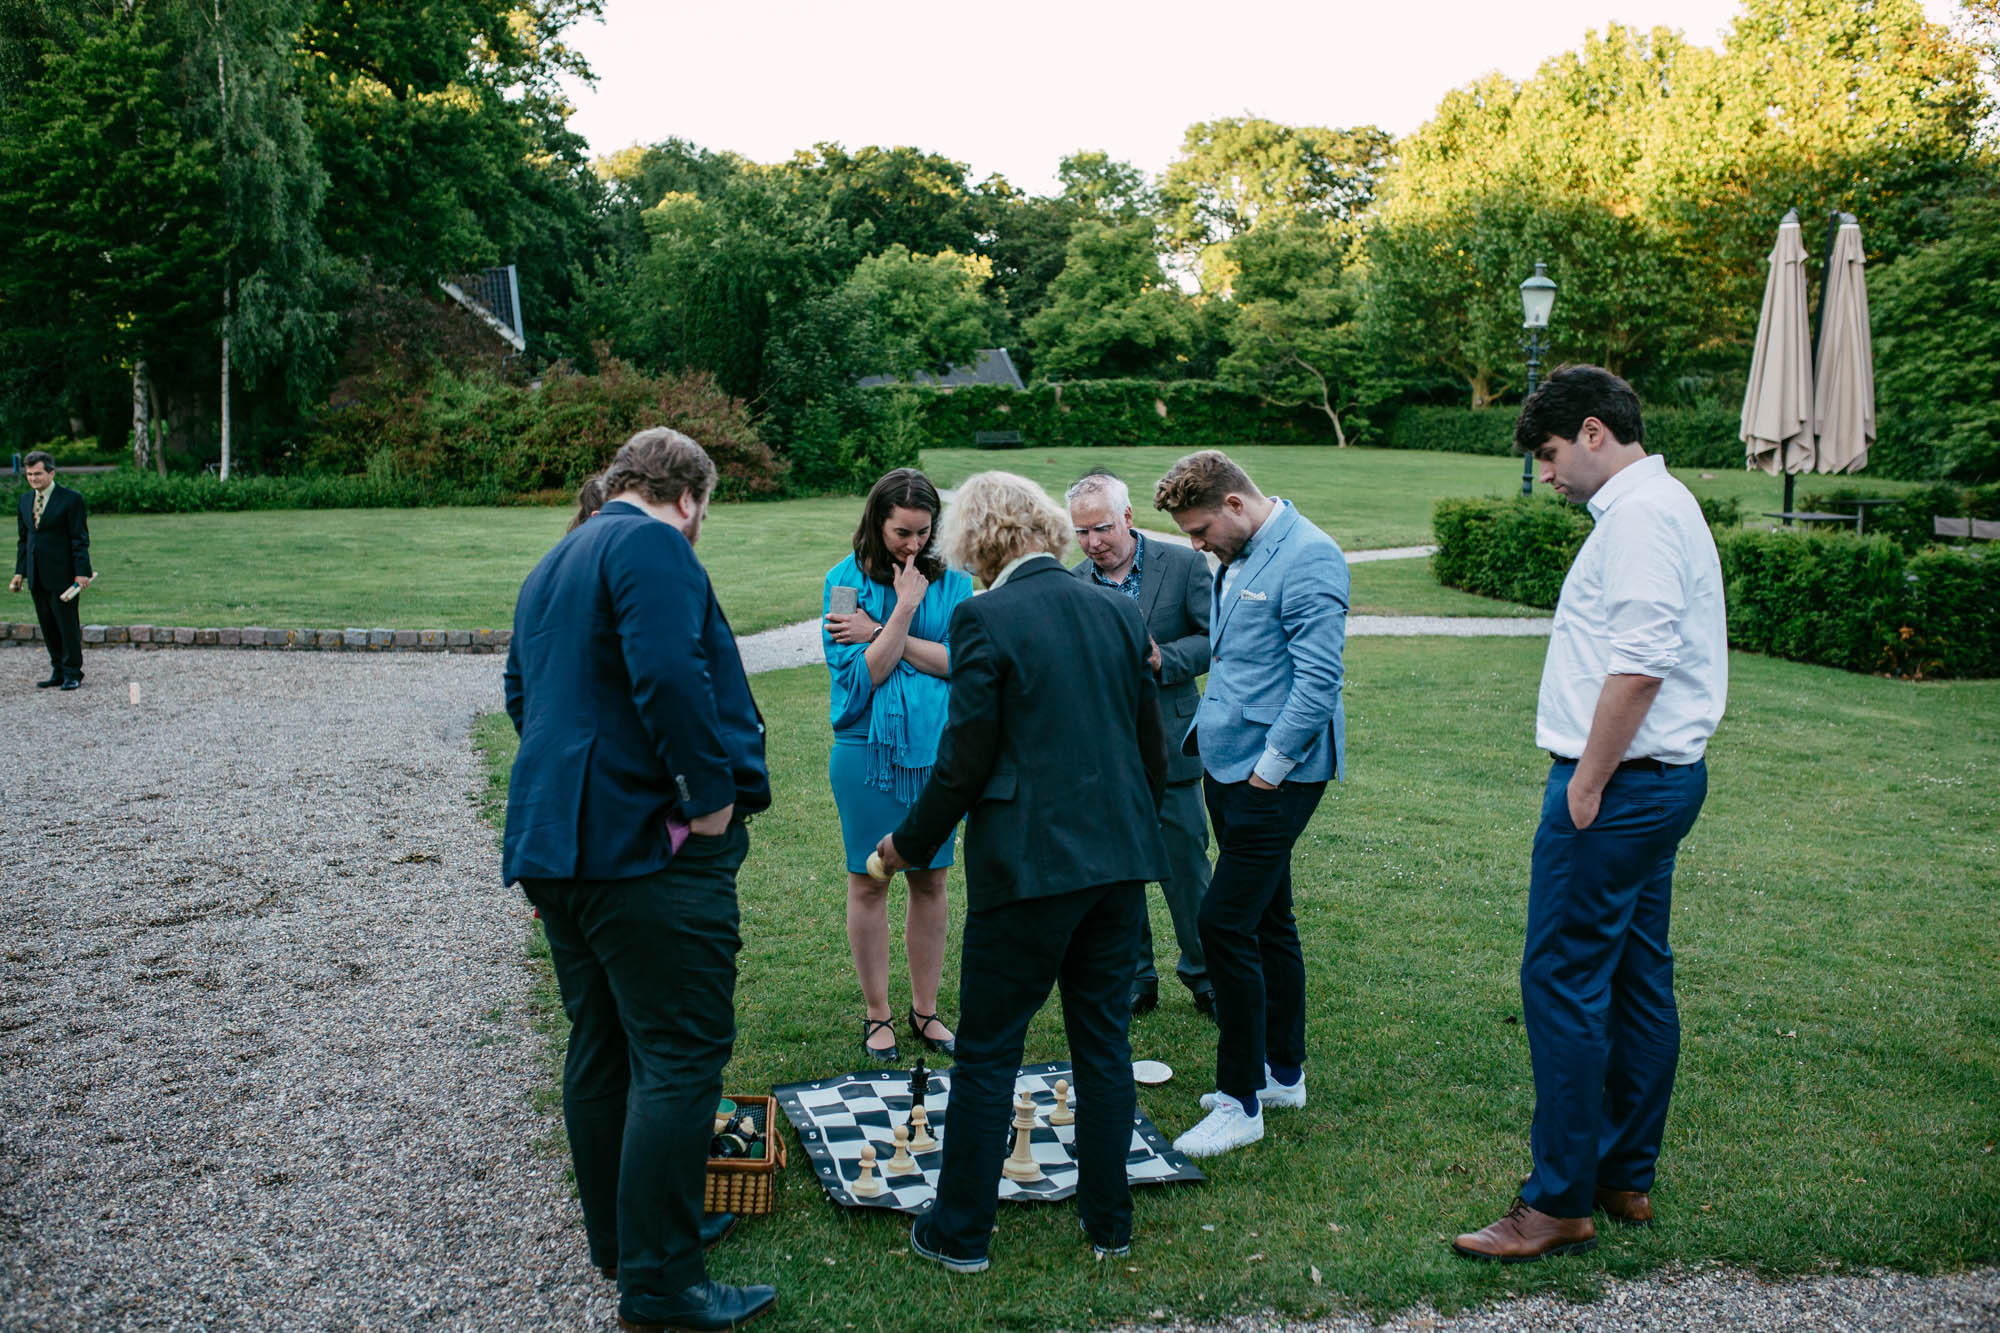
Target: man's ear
1590,433
686,505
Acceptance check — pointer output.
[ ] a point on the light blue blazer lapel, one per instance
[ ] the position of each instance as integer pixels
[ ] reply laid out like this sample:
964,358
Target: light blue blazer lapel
1276,529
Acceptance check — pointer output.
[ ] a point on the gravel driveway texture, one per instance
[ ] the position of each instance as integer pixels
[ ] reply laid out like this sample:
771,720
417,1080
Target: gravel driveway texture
264,1045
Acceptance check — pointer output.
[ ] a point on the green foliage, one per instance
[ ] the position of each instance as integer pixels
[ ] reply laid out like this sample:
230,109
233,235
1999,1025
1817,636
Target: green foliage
1517,549
1910,520
1186,414
474,431
1687,436
1936,331
1241,172
1829,598
1294,339
128,492
1111,312
925,312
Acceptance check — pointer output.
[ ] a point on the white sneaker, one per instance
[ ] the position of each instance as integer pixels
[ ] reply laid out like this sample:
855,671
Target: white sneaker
1223,1129
1273,1093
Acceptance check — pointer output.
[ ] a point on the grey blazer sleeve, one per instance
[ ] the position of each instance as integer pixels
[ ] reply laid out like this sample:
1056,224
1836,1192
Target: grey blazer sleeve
1186,657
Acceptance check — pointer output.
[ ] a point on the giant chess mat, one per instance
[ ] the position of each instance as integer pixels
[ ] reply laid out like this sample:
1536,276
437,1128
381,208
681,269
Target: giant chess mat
834,1117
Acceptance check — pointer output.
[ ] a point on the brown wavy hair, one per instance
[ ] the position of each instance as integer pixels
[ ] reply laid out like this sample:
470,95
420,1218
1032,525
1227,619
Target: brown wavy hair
903,488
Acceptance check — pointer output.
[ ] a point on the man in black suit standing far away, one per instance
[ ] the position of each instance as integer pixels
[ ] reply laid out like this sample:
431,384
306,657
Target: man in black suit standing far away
51,557
1054,755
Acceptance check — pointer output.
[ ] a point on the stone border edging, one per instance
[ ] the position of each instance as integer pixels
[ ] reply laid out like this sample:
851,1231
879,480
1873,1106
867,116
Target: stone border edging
350,640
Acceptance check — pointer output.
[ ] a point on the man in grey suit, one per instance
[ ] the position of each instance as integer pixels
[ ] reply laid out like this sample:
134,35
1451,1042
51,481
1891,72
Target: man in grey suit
1171,585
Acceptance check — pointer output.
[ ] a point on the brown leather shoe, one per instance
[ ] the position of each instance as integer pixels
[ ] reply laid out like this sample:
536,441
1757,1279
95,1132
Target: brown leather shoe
1632,1207
1525,1235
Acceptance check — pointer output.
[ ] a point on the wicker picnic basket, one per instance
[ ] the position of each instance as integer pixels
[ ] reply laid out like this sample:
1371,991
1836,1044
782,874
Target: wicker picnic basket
748,1186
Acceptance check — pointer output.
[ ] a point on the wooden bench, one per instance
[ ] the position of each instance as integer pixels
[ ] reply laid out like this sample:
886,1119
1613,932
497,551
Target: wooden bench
1977,529
996,439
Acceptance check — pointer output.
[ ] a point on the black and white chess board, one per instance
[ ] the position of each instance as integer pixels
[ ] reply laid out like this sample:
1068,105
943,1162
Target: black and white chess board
834,1117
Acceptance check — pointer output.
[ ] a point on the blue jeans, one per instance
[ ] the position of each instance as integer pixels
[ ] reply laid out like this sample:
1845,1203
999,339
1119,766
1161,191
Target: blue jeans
1597,983
647,968
1248,934
1013,955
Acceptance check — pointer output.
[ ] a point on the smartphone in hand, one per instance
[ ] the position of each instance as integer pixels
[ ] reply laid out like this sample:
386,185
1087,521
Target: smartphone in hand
846,601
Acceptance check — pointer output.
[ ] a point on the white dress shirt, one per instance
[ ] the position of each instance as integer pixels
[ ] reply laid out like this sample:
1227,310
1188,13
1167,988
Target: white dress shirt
1643,598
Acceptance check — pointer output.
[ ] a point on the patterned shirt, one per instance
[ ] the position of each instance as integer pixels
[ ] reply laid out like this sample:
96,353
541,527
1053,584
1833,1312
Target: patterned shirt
1129,585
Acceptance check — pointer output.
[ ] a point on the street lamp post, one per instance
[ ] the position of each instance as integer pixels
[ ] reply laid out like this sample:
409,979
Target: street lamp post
1538,297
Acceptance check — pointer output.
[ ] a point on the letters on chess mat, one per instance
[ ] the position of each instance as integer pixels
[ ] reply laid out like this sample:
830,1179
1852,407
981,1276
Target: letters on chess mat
834,1117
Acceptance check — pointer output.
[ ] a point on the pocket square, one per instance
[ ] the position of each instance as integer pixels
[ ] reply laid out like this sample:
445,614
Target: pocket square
1248,595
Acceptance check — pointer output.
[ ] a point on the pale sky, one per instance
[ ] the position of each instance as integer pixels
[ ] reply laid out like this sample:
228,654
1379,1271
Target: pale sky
1013,87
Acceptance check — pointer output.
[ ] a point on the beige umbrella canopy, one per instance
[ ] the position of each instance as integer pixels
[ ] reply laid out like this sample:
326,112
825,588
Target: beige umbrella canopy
1778,404
1844,379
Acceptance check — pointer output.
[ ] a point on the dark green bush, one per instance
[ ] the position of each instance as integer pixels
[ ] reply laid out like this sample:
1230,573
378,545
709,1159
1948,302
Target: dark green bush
1688,436
1517,549
129,492
474,431
1830,598
1182,414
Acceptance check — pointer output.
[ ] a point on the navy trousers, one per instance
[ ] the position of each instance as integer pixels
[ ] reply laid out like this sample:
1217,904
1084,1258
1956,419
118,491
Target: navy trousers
1597,983
647,969
1248,933
1013,955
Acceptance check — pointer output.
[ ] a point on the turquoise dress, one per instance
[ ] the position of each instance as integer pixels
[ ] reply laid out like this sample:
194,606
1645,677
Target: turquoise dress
885,737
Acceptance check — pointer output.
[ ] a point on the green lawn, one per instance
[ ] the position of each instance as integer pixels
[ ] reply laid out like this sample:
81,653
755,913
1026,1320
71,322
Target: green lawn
1364,498
423,568
461,568
1406,588
1837,972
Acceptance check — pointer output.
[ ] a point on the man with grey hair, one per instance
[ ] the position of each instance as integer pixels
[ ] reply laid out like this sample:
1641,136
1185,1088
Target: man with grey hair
642,754
1171,585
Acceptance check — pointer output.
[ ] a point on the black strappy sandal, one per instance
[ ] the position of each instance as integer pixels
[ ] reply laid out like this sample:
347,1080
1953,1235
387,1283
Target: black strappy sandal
918,1022
881,1055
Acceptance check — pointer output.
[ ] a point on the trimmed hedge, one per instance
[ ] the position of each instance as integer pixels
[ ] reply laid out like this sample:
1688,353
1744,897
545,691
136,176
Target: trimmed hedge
1861,604
1688,436
129,492
1183,414
1517,549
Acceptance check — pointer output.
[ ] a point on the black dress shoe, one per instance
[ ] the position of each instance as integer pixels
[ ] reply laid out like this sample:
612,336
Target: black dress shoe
1145,1000
50,683
1204,1002
919,1022
72,684
881,1055
706,1307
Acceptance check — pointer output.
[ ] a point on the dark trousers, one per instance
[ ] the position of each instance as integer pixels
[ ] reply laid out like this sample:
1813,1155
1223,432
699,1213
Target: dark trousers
647,968
1013,955
1248,933
1185,832
62,631
1597,984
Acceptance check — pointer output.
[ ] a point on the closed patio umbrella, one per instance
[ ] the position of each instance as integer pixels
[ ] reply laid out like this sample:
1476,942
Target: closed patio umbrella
1778,404
1844,378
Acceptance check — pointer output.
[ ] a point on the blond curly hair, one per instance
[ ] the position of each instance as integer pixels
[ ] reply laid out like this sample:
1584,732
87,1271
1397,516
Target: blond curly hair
997,517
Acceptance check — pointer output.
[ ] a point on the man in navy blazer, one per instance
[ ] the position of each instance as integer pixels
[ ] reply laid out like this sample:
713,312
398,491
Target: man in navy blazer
642,753
1271,732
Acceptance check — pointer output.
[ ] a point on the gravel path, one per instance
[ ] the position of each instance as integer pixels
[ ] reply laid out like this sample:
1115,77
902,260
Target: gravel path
264,1053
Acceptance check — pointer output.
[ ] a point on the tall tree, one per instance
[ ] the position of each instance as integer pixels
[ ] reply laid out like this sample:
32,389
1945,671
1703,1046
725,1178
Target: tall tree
1294,339
1111,312
1236,172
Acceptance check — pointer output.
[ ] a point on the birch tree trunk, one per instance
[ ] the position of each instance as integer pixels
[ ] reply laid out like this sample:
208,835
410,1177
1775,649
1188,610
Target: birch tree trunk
142,416
228,276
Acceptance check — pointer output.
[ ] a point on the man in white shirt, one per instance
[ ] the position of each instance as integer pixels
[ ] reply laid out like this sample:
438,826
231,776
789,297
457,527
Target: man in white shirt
1633,687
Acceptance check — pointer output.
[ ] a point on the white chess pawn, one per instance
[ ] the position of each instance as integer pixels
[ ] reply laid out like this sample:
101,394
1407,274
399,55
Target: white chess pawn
1061,1114
866,1185
902,1164
920,1130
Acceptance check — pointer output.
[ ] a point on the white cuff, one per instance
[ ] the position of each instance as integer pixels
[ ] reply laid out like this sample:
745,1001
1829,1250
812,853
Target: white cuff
1274,768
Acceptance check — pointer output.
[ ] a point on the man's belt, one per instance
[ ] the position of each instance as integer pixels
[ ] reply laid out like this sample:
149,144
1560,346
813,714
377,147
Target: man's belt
1630,765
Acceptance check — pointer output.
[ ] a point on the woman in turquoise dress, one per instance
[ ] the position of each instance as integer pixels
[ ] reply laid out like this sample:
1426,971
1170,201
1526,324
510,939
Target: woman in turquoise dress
888,659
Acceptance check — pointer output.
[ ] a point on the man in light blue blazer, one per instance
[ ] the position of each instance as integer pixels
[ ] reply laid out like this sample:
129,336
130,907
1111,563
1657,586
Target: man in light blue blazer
1271,733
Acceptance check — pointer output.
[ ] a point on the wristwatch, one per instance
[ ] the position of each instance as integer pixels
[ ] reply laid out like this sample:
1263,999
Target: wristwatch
877,634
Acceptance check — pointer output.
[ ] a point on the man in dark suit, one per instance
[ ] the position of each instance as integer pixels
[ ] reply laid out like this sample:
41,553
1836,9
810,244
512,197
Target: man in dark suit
51,557
1171,585
642,753
1054,757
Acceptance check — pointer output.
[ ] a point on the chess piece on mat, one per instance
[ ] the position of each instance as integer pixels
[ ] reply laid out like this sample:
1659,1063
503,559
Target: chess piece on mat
902,1164
1021,1164
1061,1114
920,1130
866,1185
